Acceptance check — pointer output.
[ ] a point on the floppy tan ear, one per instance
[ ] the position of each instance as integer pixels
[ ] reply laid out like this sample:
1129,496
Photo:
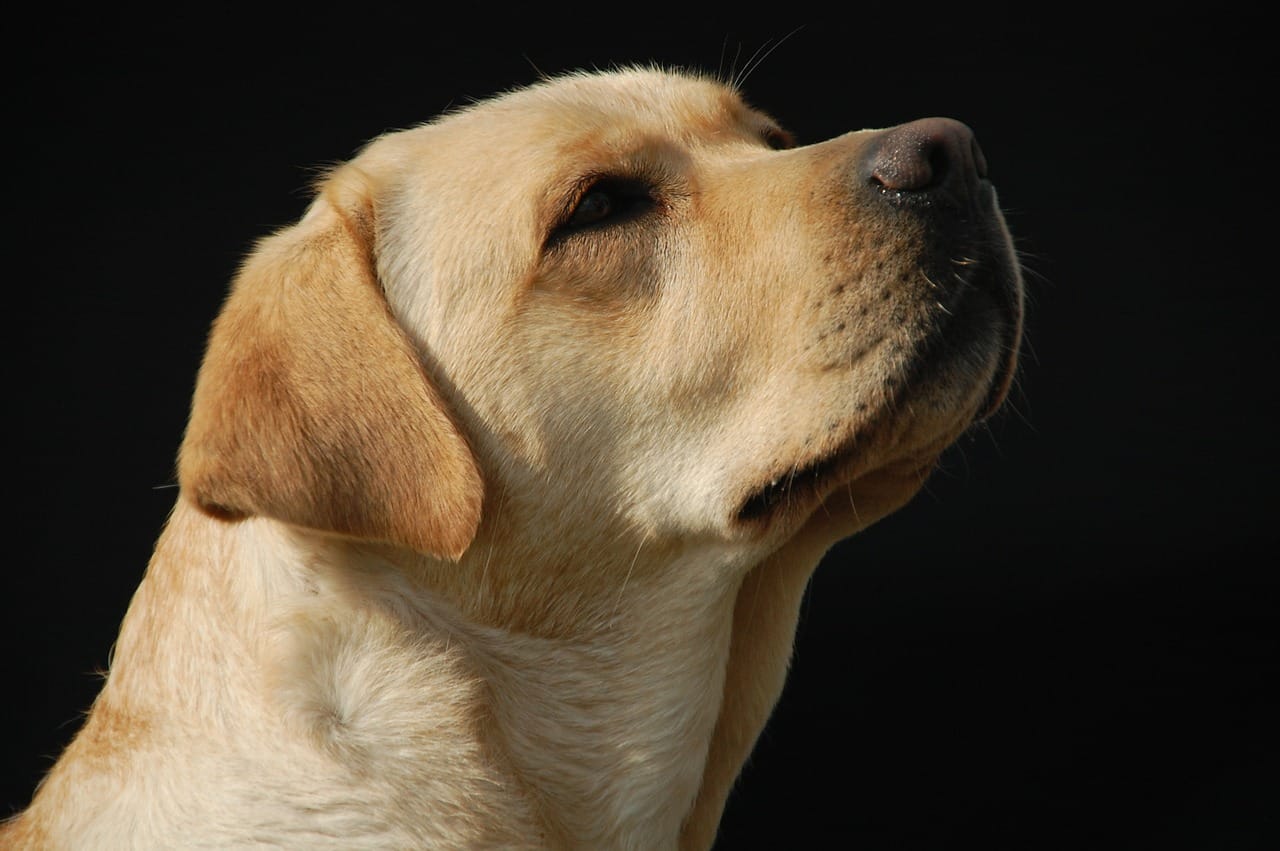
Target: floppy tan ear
312,407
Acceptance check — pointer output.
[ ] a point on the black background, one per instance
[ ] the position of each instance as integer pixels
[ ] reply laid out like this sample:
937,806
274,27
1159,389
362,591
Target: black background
1067,641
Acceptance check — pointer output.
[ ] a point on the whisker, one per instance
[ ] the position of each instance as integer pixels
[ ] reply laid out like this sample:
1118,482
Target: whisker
617,604
757,59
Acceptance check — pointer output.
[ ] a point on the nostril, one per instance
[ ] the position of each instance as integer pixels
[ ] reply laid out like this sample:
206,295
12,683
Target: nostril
924,155
939,166
905,168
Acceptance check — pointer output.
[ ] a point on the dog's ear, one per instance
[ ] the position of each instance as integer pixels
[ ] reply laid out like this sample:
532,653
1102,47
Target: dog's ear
312,406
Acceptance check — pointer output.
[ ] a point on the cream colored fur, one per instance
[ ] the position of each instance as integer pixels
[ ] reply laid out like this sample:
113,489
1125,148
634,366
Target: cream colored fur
461,557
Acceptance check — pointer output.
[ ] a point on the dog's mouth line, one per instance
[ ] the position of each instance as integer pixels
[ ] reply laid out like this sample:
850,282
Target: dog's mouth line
801,484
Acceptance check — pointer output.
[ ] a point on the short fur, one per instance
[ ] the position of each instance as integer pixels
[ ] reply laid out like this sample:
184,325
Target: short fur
494,525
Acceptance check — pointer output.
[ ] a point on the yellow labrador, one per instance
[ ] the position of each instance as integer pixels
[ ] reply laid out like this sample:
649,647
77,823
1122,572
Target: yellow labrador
508,464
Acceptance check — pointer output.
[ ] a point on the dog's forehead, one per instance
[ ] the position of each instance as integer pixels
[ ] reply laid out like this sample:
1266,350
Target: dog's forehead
680,104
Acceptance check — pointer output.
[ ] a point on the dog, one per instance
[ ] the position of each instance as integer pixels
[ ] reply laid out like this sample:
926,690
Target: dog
508,463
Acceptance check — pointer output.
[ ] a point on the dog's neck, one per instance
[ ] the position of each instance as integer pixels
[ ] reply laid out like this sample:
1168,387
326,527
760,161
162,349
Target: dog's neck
597,733
606,672
613,729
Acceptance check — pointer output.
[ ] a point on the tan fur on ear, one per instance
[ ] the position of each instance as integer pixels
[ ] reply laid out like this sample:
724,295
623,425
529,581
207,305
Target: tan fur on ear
311,405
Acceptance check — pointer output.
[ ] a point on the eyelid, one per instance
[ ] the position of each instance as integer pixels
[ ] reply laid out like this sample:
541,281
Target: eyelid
574,197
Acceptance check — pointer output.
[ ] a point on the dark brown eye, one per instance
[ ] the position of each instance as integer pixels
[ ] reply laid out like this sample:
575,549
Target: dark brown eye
778,139
596,205
610,200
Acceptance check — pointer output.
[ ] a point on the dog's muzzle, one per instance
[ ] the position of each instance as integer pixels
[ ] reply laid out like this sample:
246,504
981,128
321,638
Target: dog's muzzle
933,170
933,299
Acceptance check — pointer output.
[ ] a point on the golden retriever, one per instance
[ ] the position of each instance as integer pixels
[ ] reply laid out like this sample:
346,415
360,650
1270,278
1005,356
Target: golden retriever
508,464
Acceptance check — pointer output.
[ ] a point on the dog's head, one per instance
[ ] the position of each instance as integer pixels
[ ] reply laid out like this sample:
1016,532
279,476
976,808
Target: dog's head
610,306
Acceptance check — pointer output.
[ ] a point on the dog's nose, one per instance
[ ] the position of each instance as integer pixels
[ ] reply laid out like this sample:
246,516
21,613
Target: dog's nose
927,156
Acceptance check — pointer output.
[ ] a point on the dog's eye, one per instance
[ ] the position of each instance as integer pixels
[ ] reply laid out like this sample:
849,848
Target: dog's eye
778,139
610,200
596,205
